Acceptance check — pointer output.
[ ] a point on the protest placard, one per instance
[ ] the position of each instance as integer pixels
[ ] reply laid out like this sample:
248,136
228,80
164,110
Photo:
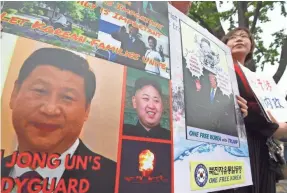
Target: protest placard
63,129
117,97
131,33
210,145
267,94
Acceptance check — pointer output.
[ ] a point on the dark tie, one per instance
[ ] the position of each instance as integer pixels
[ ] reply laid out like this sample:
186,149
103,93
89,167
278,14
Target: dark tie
130,43
29,175
212,95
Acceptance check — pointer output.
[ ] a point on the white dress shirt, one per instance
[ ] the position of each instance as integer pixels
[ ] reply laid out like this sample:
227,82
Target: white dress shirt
154,55
46,172
214,91
62,20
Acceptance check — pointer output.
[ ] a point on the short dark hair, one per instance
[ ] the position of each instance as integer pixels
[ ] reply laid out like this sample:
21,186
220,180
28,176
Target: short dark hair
226,38
205,40
144,81
64,60
153,39
211,73
131,26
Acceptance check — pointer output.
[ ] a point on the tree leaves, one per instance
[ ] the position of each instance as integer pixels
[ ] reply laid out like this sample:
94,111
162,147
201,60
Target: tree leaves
283,10
207,15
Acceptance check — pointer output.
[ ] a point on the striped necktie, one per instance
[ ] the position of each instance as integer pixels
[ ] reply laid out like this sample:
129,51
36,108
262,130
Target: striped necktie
212,95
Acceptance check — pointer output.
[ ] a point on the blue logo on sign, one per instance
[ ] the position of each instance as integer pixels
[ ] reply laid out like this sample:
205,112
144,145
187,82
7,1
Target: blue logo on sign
200,175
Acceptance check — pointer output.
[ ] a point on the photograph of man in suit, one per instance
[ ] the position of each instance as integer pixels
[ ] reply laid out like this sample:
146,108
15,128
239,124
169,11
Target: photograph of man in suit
215,100
131,42
216,94
206,106
50,103
148,103
220,108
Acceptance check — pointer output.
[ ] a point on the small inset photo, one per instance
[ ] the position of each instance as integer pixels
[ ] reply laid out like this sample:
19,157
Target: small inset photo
145,167
147,106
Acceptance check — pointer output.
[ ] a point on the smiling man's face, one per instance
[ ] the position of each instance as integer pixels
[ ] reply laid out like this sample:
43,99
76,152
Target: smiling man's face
148,104
49,109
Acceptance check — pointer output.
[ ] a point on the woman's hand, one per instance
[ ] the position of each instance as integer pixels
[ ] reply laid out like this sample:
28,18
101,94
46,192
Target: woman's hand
243,105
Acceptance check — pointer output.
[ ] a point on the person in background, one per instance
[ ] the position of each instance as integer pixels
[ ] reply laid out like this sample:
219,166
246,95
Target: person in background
153,54
60,21
131,42
258,129
182,6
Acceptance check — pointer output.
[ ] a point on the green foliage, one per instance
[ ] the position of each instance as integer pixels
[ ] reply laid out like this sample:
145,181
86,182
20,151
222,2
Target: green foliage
86,48
270,54
29,4
77,30
210,18
11,11
24,7
71,8
89,18
207,15
89,15
40,12
77,13
22,10
31,10
58,43
283,10
91,34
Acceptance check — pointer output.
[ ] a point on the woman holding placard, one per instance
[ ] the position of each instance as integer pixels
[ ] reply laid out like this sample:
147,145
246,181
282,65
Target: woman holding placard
259,130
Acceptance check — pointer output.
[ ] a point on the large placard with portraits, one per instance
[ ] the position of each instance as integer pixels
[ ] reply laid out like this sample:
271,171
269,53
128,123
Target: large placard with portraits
209,138
116,97
132,33
76,123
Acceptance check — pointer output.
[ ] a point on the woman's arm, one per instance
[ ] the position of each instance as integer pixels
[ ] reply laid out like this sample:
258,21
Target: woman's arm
281,132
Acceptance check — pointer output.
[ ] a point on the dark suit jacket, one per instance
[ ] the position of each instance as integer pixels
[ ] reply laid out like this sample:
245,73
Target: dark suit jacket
201,113
223,114
101,181
137,46
139,131
196,112
213,109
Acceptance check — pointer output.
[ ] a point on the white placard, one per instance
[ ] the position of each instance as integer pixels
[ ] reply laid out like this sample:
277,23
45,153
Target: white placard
267,93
